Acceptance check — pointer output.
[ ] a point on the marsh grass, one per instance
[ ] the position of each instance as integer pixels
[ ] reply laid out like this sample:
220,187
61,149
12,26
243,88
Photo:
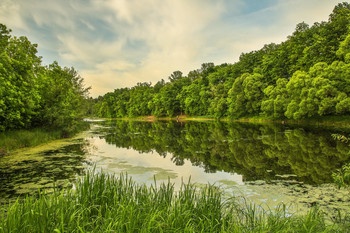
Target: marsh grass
11,140
15,139
101,202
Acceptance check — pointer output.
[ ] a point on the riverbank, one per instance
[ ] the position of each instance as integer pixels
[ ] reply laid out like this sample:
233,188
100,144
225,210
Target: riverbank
329,121
17,139
101,202
332,121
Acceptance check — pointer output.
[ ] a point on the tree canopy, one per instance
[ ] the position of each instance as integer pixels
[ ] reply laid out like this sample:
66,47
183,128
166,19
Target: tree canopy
32,94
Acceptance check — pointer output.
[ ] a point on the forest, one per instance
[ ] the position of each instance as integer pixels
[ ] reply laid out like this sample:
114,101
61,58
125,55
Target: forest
34,95
305,76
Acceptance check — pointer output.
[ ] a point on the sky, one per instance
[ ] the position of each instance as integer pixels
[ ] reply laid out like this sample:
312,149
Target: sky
119,43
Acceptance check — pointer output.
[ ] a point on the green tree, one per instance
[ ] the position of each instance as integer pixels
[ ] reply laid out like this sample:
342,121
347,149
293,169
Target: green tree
33,95
343,52
276,101
195,98
140,95
19,97
175,76
62,96
246,95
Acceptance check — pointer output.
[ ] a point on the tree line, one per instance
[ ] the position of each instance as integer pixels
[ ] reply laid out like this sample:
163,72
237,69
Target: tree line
32,94
305,76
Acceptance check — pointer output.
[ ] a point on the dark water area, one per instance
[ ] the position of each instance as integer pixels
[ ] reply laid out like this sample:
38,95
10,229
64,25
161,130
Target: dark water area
264,163
29,170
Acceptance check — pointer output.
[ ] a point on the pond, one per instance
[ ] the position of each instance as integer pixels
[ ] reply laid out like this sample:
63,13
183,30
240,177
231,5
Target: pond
267,164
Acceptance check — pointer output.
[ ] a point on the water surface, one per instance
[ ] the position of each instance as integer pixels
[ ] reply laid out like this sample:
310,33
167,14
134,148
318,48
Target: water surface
265,163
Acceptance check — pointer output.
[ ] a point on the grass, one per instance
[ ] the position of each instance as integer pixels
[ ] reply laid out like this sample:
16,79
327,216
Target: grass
101,202
15,139
11,140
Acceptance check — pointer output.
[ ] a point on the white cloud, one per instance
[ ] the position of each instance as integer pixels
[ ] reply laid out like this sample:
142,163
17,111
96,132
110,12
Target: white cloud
171,31
10,14
308,11
117,43
77,50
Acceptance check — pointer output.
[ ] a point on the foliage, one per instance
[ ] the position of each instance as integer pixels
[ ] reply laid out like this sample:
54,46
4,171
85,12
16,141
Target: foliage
305,76
244,98
19,97
102,203
62,97
35,95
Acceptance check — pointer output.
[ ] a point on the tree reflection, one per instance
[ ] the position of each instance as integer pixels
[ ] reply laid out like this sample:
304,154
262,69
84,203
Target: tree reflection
257,151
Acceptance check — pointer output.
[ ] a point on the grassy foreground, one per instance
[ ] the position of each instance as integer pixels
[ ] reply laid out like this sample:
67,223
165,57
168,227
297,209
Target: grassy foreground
103,203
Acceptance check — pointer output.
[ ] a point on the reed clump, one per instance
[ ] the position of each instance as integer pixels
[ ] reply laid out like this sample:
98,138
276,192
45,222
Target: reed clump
101,202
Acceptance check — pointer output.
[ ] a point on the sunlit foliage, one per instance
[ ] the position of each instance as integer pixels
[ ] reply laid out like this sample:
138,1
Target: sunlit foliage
35,95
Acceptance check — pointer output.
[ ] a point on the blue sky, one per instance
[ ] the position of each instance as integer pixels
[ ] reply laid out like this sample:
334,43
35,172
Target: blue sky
118,43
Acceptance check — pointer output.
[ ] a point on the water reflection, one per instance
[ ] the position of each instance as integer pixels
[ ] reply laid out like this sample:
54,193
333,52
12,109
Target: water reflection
262,162
256,151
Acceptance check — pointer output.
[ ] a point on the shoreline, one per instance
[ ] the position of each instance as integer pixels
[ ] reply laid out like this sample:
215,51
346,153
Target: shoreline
327,121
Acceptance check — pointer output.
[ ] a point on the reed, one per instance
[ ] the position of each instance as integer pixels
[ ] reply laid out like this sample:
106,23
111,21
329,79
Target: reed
101,202
11,140
15,139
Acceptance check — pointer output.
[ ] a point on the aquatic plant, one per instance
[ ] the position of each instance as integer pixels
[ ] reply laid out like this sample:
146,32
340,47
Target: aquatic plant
342,176
101,202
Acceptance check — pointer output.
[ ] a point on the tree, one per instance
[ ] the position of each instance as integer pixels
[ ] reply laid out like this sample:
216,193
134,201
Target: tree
344,50
140,95
193,75
195,99
19,97
62,95
175,76
4,36
246,95
317,92
276,101
33,95
206,69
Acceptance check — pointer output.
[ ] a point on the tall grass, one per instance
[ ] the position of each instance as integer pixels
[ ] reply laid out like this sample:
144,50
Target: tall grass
101,202
11,140
15,139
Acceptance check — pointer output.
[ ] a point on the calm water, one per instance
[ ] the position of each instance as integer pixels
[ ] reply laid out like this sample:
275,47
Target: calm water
264,163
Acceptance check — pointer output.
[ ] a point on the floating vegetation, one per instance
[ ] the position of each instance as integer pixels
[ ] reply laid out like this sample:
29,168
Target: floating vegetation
29,169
